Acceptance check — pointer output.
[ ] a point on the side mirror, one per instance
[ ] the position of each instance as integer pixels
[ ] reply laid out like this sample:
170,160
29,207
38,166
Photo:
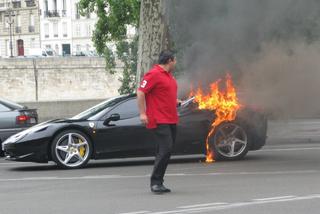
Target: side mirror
113,117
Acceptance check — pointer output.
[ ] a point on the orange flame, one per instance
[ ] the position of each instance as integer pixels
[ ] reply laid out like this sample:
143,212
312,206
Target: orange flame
224,103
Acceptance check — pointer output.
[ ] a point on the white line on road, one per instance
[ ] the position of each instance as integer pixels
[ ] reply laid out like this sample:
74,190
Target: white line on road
102,177
137,212
274,198
266,172
279,199
202,205
288,149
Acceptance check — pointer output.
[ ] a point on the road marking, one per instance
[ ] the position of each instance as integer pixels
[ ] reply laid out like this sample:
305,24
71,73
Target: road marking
194,209
202,205
288,149
266,172
137,212
274,198
103,177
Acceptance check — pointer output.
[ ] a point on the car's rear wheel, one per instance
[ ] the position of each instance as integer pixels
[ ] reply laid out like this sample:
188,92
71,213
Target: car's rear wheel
230,141
71,149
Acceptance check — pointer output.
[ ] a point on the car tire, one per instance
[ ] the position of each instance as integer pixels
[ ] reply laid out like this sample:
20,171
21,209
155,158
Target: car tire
71,149
230,141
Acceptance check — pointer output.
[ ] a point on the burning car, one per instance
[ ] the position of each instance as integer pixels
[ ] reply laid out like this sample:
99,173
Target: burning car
112,129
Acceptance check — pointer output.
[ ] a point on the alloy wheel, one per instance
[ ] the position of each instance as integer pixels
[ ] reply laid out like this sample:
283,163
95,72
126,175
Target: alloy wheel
72,150
230,140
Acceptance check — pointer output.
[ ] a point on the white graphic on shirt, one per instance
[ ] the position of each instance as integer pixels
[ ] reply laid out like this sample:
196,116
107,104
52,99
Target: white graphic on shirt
144,83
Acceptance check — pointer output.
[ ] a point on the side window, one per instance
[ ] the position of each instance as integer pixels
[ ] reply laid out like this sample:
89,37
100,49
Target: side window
127,110
4,108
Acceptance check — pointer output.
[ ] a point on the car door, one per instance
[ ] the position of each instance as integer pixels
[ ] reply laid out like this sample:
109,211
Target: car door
192,129
127,135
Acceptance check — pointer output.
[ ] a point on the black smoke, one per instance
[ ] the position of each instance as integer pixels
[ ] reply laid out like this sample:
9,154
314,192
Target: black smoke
271,48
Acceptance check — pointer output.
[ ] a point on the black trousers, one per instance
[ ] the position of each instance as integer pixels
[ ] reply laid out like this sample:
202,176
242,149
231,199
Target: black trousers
164,137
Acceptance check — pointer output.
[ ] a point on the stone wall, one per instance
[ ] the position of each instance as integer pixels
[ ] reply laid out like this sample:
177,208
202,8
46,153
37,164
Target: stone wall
60,109
56,79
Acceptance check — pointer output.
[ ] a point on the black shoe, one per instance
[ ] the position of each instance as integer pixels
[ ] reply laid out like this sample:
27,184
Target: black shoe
159,189
165,189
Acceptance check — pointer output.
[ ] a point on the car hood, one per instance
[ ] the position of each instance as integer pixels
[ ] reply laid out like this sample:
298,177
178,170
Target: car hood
63,120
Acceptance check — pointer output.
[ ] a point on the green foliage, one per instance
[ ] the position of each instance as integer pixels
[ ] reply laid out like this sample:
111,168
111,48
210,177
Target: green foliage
127,53
114,16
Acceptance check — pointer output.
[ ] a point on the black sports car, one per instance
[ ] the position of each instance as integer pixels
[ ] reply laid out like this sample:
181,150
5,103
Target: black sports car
112,129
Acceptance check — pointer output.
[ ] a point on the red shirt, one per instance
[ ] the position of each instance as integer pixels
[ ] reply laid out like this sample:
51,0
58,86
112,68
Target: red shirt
160,88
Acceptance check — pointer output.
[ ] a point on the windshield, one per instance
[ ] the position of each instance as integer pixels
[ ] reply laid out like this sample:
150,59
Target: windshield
50,53
87,114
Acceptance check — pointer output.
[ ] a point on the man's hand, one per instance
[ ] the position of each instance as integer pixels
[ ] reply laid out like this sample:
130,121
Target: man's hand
144,119
142,107
179,102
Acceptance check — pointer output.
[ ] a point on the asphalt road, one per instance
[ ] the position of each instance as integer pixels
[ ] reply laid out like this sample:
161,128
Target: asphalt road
282,178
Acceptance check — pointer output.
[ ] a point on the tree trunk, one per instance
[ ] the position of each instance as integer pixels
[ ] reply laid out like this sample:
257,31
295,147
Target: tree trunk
153,34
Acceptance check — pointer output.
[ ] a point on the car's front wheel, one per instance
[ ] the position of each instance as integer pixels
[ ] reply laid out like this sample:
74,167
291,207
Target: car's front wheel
71,149
230,141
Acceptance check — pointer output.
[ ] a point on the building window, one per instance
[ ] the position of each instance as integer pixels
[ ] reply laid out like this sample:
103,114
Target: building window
89,31
30,3
31,23
51,13
31,19
6,22
31,29
64,7
45,7
78,30
65,29
56,48
16,4
88,14
46,30
63,13
55,5
18,25
78,48
7,47
32,41
55,29
77,11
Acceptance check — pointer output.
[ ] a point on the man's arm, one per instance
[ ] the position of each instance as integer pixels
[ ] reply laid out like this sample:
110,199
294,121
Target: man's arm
142,106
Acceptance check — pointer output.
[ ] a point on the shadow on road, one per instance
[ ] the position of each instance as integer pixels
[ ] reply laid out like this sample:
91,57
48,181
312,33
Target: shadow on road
104,164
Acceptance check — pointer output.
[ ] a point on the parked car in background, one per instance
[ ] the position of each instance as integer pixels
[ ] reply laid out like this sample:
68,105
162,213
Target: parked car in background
15,118
86,53
41,52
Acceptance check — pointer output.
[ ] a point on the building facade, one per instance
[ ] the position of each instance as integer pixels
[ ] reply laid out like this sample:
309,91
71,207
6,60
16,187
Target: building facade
63,29
19,27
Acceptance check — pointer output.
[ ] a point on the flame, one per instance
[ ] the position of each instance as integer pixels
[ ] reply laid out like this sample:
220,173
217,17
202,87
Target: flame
223,102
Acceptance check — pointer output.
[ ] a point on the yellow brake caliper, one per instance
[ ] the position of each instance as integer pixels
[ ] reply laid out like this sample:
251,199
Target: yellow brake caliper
82,149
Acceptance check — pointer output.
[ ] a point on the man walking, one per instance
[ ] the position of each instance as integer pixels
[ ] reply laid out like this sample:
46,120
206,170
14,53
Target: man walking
157,101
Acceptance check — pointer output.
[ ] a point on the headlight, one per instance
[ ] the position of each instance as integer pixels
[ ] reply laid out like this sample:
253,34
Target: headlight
20,135
16,137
